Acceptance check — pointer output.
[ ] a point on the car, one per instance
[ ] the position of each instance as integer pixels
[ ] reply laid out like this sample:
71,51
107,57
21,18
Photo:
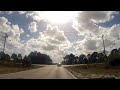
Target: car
59,64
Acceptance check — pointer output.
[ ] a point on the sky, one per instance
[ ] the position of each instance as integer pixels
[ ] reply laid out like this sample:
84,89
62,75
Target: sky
58,33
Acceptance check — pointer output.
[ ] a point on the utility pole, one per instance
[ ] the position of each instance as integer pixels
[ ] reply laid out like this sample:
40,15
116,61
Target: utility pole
6,36
103,44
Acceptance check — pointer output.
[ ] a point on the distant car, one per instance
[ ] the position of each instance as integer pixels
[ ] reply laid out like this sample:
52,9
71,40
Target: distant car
59,64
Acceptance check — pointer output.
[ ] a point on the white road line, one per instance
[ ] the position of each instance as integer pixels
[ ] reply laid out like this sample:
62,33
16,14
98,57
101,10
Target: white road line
70,73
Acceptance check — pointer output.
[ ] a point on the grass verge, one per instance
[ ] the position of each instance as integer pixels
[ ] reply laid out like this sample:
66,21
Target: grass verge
92,71
16,68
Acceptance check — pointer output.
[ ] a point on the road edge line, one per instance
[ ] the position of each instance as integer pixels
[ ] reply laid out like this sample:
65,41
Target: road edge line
70,73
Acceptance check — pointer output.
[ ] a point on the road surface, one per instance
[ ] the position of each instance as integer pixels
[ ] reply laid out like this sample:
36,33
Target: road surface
47,72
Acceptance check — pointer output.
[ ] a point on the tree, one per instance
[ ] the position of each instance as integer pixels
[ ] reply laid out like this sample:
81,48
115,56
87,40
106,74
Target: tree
7,57
14,57
94,57
89,58
29,63
119,51
19,58
82,59
26,61
38,58
63,62
114,58
101,57
66,59
71,59
2,55
76,59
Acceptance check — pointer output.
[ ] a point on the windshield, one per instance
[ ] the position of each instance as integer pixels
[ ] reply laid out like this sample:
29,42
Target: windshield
84,43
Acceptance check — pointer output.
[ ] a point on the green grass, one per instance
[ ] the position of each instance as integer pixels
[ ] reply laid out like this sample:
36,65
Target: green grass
16,68
93,70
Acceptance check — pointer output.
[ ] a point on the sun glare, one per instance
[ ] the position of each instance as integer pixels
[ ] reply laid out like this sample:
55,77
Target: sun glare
59,17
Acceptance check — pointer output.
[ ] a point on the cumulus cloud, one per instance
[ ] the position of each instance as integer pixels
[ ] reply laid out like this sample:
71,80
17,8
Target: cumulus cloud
4,27
51,41
51,38
33,27
21,12
90,44
87,24
55,36
87,21
35,15
13,43
16,29
49,47
54,42
54,33
114,31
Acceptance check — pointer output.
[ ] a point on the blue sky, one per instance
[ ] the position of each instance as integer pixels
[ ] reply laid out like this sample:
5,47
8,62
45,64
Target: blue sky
116,20
35,31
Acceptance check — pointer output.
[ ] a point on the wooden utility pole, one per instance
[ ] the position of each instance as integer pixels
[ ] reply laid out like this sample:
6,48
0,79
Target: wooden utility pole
6,36
103,44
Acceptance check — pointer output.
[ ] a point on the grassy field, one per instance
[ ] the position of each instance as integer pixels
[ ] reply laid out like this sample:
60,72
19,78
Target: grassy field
94,71
16,68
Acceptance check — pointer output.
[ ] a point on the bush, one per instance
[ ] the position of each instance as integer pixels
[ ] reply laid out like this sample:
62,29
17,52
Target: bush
114,60
107,66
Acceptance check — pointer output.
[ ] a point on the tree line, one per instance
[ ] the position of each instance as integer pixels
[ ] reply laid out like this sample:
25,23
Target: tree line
32,58
112,59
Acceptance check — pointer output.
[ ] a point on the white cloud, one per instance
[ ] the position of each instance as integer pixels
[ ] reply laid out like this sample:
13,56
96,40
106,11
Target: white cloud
50,38
87,24
115,31
35,15
21,31
52,41
4,27
86,21
7,12
21,12
16,28
33,27
49,47
13,44
90,44
54,33
28,35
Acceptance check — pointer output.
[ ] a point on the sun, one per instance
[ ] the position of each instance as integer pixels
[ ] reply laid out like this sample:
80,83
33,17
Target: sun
59,17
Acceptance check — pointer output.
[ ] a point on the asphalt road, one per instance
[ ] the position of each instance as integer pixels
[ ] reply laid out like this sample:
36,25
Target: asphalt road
47,72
